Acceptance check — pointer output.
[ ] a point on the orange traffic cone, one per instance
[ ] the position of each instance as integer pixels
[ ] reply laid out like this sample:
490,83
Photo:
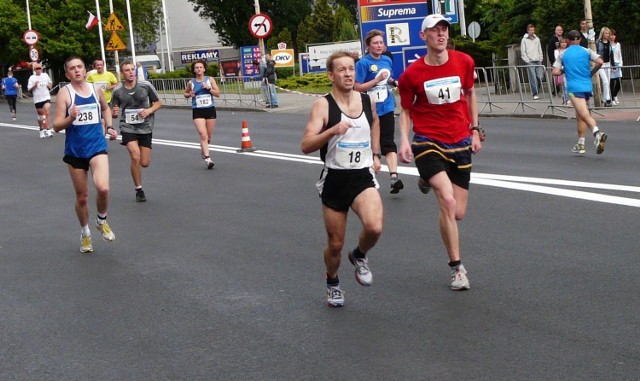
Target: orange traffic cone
246,139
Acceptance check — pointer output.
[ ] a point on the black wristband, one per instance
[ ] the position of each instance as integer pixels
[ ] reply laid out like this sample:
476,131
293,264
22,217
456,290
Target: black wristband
378,155
475,128
109,128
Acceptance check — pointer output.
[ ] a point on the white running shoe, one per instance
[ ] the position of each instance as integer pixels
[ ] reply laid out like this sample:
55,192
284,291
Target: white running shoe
85,244
459,280
209,163
601,138
48,133
105,229
363,274
335,296
579,148
43,134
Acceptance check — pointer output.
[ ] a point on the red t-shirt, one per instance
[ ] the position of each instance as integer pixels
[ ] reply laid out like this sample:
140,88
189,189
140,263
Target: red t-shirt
434,95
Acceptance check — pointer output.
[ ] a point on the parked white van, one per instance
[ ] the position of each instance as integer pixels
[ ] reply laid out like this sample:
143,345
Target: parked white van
151,62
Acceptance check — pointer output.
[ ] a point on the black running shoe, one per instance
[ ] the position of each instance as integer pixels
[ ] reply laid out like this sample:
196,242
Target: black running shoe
140,195
396,185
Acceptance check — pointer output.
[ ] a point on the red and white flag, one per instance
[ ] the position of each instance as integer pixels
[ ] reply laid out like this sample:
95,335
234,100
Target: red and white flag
93,21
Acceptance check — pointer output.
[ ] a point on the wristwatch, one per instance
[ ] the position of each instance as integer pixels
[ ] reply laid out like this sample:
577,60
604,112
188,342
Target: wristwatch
481,134
378,155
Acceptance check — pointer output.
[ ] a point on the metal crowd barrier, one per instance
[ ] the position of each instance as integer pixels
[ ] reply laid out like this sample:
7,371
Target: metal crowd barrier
499,87
508,86
235,92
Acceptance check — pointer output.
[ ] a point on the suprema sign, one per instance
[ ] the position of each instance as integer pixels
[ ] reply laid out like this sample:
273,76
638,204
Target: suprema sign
283,58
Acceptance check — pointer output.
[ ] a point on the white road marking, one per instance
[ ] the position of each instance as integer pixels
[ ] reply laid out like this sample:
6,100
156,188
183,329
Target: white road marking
521,183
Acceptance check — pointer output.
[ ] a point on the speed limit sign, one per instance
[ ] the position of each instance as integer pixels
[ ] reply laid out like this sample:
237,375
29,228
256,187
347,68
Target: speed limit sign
34,54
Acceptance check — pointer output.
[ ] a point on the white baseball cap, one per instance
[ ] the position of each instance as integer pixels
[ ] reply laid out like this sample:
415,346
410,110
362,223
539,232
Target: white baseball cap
433,20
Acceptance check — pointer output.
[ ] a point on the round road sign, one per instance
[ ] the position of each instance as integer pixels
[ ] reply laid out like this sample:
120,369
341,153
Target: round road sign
34,54
260,25
474,29
30,37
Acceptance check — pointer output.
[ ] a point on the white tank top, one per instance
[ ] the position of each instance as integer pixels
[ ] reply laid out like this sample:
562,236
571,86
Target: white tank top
353,149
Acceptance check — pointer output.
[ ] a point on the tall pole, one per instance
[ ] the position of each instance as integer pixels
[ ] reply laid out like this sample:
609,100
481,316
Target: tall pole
117,58
100,30
133,45
256,5
588,16
162,30
29,15
463,21
166,35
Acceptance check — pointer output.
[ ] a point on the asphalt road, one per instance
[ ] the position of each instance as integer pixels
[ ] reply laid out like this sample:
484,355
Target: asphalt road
219,276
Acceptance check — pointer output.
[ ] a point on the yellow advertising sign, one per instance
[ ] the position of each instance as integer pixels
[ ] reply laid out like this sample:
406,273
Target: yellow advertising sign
283,57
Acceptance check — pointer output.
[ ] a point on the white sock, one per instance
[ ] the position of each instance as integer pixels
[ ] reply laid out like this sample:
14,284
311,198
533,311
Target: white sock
86,231
595,130
581,140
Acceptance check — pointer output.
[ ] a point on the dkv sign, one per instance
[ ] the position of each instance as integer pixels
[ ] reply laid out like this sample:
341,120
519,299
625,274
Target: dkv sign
283,57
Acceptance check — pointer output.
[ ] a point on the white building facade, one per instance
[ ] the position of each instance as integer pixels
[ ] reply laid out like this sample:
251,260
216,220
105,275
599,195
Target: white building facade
190,37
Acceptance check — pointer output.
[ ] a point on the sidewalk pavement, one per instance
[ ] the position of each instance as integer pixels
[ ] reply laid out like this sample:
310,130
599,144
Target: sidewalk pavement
500,106
510,105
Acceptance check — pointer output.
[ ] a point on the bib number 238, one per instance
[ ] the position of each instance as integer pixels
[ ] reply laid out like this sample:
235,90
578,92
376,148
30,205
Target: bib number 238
88,115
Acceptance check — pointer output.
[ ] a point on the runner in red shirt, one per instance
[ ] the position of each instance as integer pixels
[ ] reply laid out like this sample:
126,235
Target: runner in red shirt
437,95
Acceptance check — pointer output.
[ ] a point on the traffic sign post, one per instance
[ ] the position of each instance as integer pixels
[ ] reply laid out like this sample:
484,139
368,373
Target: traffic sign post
31,37
113,24
115,43
34,54
474,30
260,25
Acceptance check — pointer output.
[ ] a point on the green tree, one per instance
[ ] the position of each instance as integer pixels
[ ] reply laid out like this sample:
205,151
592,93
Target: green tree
61,25
14,22
303,34
287,14
344,30
230,18
350,5
283,36
230,22
321,23
504,22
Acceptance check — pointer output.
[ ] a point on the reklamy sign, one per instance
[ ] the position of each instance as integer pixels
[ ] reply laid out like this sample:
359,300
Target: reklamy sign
207,55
